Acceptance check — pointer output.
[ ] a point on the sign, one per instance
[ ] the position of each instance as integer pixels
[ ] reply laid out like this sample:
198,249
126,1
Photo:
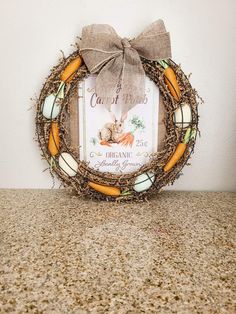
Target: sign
110,142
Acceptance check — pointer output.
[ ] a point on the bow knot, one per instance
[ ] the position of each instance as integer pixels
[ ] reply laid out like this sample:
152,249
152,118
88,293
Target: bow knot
125,43
110,56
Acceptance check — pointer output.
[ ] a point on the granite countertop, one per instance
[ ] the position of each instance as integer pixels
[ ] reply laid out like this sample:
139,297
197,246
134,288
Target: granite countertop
63,254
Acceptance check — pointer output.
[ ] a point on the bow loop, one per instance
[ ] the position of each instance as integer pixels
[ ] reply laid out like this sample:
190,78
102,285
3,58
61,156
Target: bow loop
117,60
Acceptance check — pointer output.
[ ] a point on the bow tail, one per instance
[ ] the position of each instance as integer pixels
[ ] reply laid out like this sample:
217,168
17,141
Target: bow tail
107,79
132,81
125,71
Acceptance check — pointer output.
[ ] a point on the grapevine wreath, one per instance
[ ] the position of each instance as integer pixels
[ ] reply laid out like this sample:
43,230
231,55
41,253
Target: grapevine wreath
179,99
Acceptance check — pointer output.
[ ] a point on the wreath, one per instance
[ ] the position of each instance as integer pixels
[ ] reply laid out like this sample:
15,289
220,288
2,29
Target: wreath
54,106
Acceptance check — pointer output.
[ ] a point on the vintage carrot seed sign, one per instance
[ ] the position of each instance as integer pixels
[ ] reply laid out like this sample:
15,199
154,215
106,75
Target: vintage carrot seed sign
101,131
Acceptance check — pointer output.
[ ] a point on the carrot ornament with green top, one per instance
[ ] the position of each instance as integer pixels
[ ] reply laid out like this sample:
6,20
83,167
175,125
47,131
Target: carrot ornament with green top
53,142
67,75
107,190
180,149
170,79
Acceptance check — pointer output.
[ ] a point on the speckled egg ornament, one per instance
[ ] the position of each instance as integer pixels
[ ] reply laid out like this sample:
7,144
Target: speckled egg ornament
102,52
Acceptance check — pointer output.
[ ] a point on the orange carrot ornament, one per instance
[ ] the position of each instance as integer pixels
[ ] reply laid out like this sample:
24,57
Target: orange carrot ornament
180,149
170,79
107,190
54,141
67,75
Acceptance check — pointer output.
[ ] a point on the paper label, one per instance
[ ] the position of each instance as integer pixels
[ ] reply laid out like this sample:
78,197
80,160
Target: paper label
110,142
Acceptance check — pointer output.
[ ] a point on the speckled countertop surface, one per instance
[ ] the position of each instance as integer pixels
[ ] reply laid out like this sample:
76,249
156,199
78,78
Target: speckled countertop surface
61,254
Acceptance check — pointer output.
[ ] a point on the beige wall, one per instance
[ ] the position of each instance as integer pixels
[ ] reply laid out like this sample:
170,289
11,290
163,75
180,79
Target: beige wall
203,40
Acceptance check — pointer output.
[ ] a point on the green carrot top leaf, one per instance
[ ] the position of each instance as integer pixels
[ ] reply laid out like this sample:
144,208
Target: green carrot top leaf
61,90
163,63
189,135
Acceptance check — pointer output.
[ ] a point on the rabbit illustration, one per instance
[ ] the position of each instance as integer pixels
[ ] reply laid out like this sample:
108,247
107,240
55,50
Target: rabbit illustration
111,132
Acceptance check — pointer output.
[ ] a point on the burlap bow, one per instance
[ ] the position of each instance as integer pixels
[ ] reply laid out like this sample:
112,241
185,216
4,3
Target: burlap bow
117,61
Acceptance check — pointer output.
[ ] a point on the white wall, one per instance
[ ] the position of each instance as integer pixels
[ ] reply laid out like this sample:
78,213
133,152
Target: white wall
203,37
